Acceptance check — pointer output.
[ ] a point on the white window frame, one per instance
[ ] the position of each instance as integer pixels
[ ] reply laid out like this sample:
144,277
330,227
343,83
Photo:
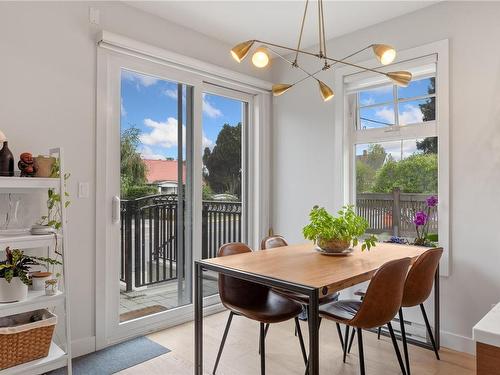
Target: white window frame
346,136
256,91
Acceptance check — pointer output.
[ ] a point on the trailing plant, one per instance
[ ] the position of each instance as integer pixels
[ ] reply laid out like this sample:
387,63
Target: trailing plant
347,226
17,264
54,215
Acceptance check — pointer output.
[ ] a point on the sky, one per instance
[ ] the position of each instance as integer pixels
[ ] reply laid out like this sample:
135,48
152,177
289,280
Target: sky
375,104
150,104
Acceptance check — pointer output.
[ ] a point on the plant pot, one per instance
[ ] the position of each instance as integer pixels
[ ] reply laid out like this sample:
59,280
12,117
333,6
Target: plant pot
38,280
14,291
333,245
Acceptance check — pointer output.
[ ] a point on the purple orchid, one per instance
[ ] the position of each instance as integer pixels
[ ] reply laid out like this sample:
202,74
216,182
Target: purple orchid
420,218
432,201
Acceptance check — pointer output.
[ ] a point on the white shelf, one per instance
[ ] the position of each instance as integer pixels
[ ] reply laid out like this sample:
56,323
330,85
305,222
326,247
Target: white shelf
29,241
28,183
36,300
56,358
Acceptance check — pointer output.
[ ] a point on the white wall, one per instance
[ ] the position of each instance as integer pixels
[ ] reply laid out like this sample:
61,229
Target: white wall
303,150
47,98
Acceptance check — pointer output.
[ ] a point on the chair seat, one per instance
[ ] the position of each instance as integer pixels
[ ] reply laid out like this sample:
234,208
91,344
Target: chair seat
275,309
340,311
304,300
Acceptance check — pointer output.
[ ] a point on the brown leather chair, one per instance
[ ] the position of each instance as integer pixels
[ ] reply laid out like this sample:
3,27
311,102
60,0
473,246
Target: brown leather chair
378,307
277,241
418,287
254,301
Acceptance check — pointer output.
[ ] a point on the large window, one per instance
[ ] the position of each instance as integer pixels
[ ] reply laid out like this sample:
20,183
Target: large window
394,152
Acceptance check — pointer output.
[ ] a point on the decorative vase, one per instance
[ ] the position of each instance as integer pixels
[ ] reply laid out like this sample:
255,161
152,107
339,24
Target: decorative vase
51,287
333,245
6,161
14,291
44,165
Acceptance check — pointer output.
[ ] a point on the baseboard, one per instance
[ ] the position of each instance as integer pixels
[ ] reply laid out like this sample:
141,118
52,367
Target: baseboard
82,346
459,343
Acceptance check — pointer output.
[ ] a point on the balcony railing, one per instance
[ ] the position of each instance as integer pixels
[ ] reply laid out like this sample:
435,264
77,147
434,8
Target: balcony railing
149,233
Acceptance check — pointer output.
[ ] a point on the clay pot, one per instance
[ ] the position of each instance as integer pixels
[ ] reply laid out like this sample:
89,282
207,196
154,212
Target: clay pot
44,165
333,245
6,161
14,291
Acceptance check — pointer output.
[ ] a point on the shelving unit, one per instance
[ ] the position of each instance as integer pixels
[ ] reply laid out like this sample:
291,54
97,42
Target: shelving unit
59,355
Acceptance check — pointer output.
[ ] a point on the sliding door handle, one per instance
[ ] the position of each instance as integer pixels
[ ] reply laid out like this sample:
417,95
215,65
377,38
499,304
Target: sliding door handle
115,215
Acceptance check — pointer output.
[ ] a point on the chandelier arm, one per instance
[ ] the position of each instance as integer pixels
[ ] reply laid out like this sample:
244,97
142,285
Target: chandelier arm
319,30
295,65
301,32
353,54
323,27
325,57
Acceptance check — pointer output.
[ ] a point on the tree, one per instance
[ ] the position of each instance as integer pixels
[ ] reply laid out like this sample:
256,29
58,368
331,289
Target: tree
429,145
223,163
132,168
415,174
366,166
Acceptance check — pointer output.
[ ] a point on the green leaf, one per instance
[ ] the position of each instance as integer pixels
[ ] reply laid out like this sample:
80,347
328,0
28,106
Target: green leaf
9,274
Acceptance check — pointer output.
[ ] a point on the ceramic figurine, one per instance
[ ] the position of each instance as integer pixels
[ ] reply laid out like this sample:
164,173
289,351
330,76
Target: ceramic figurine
6,161
26,165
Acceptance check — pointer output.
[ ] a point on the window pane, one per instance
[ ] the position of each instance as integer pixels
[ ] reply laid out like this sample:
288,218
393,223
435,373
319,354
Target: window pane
379,95
417,111
418,87
376,117
223,123
381,168
153,277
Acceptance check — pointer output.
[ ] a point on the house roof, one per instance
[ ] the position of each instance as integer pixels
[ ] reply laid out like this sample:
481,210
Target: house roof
163,170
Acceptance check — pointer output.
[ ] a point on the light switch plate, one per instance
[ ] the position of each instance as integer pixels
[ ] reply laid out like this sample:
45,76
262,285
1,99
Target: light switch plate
83,190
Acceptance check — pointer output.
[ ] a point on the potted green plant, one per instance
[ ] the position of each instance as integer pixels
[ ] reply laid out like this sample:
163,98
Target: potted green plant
14,279
337,234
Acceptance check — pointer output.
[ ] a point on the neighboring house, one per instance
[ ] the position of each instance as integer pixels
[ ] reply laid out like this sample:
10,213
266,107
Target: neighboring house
164,175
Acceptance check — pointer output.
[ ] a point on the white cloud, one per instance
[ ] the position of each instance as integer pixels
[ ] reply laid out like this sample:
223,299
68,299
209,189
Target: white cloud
172,94
411,114
210,110
207,142
163,134
368,101
386,114
123,112
147,153
139,79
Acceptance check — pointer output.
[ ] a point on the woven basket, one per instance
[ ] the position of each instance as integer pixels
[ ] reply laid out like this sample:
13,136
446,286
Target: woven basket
22,340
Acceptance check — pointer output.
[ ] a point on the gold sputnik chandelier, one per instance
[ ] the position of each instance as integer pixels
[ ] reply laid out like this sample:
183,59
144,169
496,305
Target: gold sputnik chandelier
384,53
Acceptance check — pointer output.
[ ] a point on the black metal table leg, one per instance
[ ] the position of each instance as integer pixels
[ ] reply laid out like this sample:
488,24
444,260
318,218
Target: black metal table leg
313,332
436,310
198,319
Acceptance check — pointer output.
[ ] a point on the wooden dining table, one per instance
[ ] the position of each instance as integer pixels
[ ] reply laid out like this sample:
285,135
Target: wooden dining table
302,269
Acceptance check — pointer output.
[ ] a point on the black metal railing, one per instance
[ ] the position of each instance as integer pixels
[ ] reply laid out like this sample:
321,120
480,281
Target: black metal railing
149,236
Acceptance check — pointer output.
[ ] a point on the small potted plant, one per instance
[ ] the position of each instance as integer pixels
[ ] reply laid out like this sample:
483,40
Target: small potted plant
337,234
14,279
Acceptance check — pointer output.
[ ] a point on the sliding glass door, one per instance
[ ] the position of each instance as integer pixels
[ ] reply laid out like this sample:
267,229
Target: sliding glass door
172,186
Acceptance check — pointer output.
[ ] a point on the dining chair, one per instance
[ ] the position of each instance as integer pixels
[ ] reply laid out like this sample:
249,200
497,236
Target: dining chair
256,302
380,304
276,241
418,287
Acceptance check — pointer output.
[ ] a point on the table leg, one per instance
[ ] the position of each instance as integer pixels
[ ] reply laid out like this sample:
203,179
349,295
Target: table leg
314,332
198,319
436,309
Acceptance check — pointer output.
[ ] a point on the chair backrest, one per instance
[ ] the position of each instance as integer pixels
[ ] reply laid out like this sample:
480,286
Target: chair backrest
383,296
272,242
237,292
420,279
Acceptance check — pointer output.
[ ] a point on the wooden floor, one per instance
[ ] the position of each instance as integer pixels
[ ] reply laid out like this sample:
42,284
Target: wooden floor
240,356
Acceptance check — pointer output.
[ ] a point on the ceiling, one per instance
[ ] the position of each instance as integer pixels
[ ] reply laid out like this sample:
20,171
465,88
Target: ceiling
275,21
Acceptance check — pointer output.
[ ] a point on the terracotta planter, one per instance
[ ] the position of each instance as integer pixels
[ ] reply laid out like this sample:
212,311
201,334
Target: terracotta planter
14,291
333,246
44,165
